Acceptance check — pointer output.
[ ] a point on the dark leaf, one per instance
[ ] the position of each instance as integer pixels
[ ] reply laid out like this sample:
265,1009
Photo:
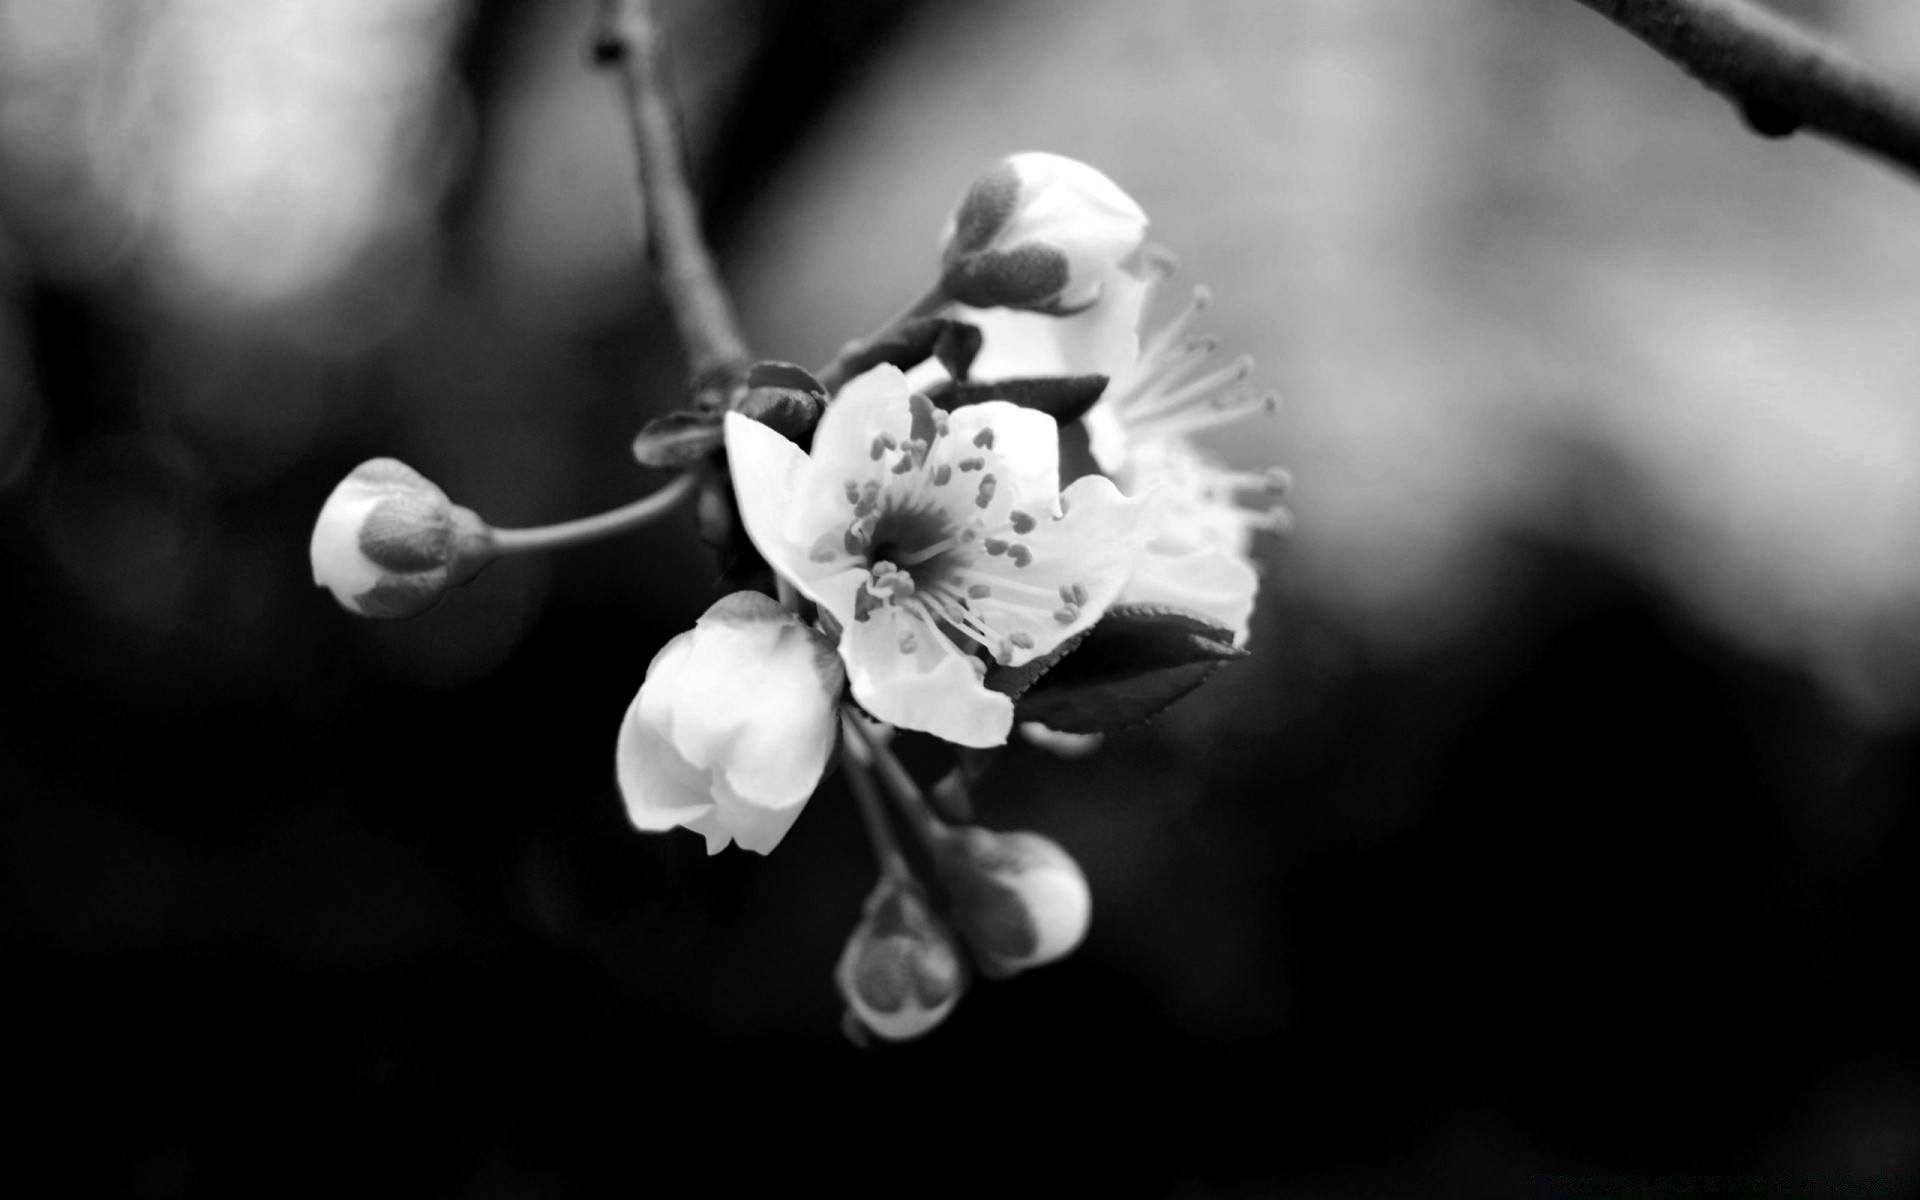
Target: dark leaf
1076,454
770,374
1065,398
908,344
956,346
785,398
679,439
1138,660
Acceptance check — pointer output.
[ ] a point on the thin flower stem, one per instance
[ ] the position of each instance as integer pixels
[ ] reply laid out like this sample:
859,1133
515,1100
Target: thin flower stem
907,796
835,374
1781,76
630,38
606,524
859,764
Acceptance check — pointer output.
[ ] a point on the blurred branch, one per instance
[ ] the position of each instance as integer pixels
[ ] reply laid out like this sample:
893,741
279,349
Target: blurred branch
629,37
1780,76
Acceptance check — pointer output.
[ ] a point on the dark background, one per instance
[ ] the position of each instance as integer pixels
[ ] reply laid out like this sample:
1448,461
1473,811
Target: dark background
1563,822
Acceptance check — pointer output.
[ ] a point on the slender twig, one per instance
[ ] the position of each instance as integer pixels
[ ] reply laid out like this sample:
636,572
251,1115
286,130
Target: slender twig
859,771
629,37
906,794
1781,76
589,529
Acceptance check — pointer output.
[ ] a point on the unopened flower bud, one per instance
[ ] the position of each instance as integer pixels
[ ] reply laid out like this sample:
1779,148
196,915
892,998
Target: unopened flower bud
1018,899
1038,231
901,973
733,727
389,543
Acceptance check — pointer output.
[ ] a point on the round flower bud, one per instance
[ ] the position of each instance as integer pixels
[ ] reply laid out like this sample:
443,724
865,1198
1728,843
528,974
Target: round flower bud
389,543
733,727
1018,899
901,973
1040,232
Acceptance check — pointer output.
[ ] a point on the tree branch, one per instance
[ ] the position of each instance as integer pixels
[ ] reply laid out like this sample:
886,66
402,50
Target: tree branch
1780,76
629,38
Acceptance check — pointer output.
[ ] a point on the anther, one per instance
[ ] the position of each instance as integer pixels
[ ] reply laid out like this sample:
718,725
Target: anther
979,591
1022,639
1020,555
972,464
1022,523
1067,615
984,439
986,492
941,474
995,546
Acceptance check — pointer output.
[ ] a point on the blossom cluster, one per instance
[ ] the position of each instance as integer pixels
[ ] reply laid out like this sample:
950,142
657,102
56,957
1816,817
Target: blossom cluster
988,515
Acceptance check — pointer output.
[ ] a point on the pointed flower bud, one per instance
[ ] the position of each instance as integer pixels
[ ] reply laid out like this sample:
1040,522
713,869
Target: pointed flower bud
733,727
1038,231
389,543
901,973
1018,899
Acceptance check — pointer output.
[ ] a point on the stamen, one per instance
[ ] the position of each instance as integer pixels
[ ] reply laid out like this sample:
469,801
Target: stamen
1175,330
1237,371
986,492
905,464
1225,410
1164,370
853,491
1067,615
1020,555
994,546
1022,523
925,552
941,474
973,464
984,439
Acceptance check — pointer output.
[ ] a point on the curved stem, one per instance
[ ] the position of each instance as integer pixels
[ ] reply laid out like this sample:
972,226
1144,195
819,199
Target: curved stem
859,764
629,36
1781,76
591,529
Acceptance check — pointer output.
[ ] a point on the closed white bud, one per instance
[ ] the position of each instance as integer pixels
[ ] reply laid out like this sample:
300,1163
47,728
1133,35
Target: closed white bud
901,973
389,543
733,726
1041,232
1017,898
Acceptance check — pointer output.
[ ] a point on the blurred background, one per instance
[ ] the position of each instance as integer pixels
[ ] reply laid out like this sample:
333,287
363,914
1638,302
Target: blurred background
1563,821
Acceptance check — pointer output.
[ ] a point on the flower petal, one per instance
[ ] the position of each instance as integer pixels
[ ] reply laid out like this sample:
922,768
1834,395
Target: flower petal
934,688
661,789
1022,453
1213,581
756,827
767,473
871,406
1088,553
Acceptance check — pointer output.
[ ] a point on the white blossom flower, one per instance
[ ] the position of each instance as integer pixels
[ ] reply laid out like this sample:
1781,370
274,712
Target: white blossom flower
1159,394
924,535
388,542
1038,231
733,726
